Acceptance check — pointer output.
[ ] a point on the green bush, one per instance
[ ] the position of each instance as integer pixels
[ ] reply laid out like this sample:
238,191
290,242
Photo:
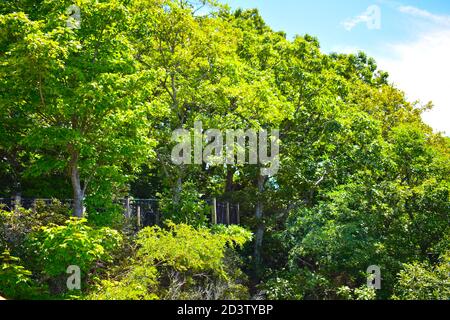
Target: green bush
139,283
183,247
102,212
15,226
362,293
15,280
423,281
74,243
188,209
296,284
180,262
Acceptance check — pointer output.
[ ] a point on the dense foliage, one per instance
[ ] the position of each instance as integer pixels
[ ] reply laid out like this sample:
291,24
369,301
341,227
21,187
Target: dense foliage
89,112
181,262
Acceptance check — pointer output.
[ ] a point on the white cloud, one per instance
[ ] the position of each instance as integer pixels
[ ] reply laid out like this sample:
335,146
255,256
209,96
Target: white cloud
371,17
421,68
442,20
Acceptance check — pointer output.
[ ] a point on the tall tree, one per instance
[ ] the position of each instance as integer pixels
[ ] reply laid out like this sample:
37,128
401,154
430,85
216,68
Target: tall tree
81,91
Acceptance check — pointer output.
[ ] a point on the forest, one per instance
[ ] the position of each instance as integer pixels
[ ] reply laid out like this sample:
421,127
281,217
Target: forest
91,93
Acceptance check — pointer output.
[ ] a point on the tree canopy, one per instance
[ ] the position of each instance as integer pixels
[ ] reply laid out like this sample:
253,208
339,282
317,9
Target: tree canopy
87,111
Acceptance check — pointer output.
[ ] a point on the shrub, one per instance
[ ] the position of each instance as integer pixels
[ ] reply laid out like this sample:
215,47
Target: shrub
74,243
138,284
180,262
103,212
295,284
183,247
189,209
361,293
53,213
423,281
15,280
16,225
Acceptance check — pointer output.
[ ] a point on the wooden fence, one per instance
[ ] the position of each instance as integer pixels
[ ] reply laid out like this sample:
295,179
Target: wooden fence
144,212
224,212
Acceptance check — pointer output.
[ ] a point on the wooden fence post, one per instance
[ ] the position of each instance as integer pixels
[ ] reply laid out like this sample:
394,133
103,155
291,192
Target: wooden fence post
227,217
127,207
17,201
238,217
156,217
214,211
139,216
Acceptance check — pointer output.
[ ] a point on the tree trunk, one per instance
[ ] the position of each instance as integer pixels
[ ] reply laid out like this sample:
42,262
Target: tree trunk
259,218
229,186
177,191
78,192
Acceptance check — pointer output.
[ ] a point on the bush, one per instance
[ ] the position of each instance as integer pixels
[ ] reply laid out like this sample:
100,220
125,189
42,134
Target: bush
137,284
296,284
189,209
103,212
15,226
362,293
15,280
180,262
74,243
423,281
183,247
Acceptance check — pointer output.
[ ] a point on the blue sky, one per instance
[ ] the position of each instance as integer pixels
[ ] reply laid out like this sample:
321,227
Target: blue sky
411,41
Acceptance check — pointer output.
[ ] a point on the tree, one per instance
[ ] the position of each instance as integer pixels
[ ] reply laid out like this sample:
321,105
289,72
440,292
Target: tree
81,91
